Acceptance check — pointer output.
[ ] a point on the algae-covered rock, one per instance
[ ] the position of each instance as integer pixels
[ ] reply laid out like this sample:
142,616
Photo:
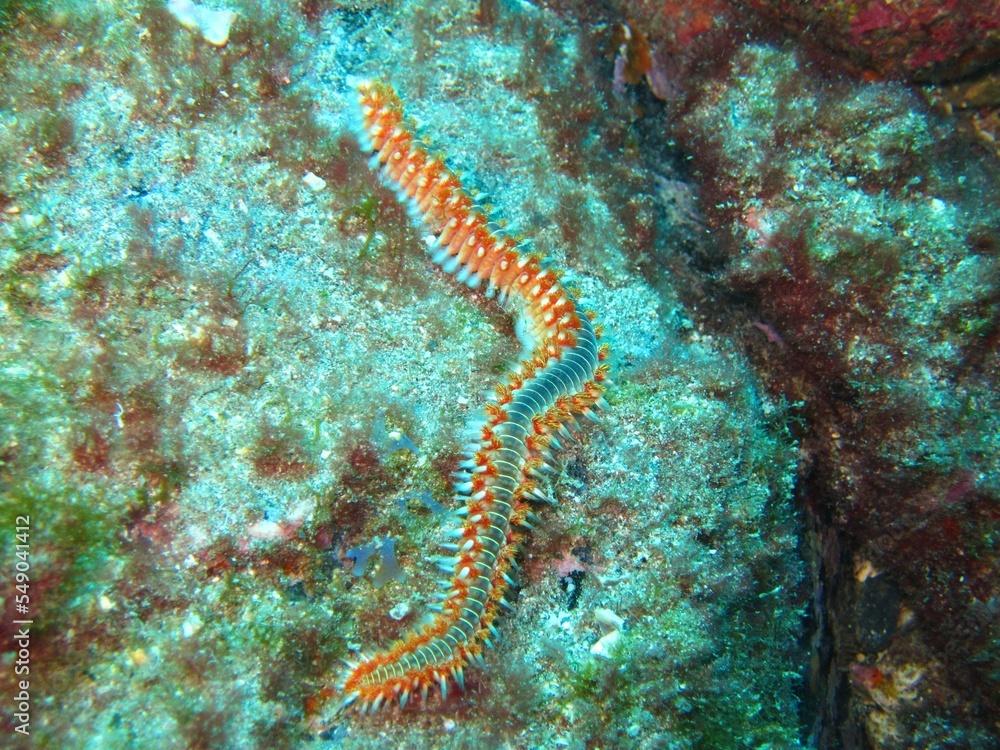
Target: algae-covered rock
913,39
862,230
223,387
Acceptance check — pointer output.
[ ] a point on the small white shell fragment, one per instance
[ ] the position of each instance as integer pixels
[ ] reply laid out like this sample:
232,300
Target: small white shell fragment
191,625
314,182
214,25
607,644
400,611
214,237
608,619
264,529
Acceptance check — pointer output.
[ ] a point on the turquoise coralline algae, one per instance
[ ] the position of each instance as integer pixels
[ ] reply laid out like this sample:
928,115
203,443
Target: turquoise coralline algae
233,386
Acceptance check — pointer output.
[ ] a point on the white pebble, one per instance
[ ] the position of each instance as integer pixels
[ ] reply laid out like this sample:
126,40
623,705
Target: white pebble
607,644
608,619
314,182
400,611
214,25
264,529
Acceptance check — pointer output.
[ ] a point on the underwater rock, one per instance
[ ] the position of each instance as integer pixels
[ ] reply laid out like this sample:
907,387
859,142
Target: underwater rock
877,613
913,40
925,40
858,232
194,343
673,46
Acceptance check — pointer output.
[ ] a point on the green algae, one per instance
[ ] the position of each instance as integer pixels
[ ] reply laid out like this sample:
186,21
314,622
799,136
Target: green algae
366,212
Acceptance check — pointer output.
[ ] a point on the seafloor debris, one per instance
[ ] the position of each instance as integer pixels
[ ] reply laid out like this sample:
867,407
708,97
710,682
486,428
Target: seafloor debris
214,25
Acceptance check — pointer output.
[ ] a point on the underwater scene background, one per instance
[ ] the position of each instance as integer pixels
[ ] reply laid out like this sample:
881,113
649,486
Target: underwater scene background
235,388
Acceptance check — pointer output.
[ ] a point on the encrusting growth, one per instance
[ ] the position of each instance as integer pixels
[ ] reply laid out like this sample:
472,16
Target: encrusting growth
563,378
